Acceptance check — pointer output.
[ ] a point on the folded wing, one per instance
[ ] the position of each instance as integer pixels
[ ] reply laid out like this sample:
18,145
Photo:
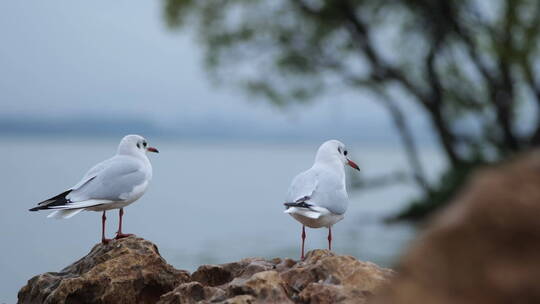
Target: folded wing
318,188
110,181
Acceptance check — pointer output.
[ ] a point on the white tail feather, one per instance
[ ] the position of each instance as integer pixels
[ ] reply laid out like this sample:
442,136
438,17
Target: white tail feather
64,214
304,212
83,204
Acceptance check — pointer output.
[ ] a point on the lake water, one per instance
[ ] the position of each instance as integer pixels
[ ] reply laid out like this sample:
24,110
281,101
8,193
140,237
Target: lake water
208,203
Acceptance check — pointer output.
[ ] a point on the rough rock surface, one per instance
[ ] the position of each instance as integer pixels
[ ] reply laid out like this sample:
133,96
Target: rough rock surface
129,270
323,277
132,271
485,248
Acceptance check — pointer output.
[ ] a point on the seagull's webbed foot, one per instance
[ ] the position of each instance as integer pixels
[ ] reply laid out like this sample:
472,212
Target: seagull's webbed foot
122,235
106,241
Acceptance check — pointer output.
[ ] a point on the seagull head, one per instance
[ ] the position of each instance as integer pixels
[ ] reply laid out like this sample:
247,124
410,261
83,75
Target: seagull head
135,145
332,151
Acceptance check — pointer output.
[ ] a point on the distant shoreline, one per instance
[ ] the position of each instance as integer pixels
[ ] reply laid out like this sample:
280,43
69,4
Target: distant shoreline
197,130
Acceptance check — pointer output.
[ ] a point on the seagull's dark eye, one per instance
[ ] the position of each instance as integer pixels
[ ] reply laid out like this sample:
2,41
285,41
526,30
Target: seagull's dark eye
345,153
144,144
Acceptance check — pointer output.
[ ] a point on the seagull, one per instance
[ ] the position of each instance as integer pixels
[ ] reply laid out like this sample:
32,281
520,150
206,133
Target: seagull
318,197
111,184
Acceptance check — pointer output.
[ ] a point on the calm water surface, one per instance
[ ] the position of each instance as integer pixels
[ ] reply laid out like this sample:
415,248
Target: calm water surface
207,203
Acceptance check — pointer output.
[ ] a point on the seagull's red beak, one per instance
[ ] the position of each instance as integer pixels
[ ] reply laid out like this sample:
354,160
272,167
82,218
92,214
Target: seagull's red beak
152,149
352,164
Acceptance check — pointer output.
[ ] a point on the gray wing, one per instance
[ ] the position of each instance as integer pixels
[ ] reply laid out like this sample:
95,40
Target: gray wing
323,189
330,193
302,186
95,170
113,180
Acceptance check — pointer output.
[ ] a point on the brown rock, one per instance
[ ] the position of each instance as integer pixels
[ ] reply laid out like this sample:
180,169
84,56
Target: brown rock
129,270
265,286
484,248
331,293
215,275
212,275
192,292
325,277
247,267
132,271
243,299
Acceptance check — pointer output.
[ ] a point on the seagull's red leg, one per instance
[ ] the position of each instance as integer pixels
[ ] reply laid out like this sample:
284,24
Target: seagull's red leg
303,240
119,233
103,239
330,238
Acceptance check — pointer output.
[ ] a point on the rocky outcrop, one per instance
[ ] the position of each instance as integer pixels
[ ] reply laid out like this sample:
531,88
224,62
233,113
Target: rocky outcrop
132,271
124,271
485,248
323,277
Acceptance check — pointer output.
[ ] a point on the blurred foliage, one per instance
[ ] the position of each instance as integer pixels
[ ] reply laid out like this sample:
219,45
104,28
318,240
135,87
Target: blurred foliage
450,182
470,67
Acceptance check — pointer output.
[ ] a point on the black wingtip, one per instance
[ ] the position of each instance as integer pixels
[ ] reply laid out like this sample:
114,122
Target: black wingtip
299,205
58,200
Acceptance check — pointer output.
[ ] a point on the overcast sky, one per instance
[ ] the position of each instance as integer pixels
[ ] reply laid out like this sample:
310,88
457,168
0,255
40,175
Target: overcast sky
118,59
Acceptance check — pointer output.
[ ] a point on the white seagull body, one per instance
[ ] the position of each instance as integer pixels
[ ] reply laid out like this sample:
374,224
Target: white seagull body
322,187
111,184
318,197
